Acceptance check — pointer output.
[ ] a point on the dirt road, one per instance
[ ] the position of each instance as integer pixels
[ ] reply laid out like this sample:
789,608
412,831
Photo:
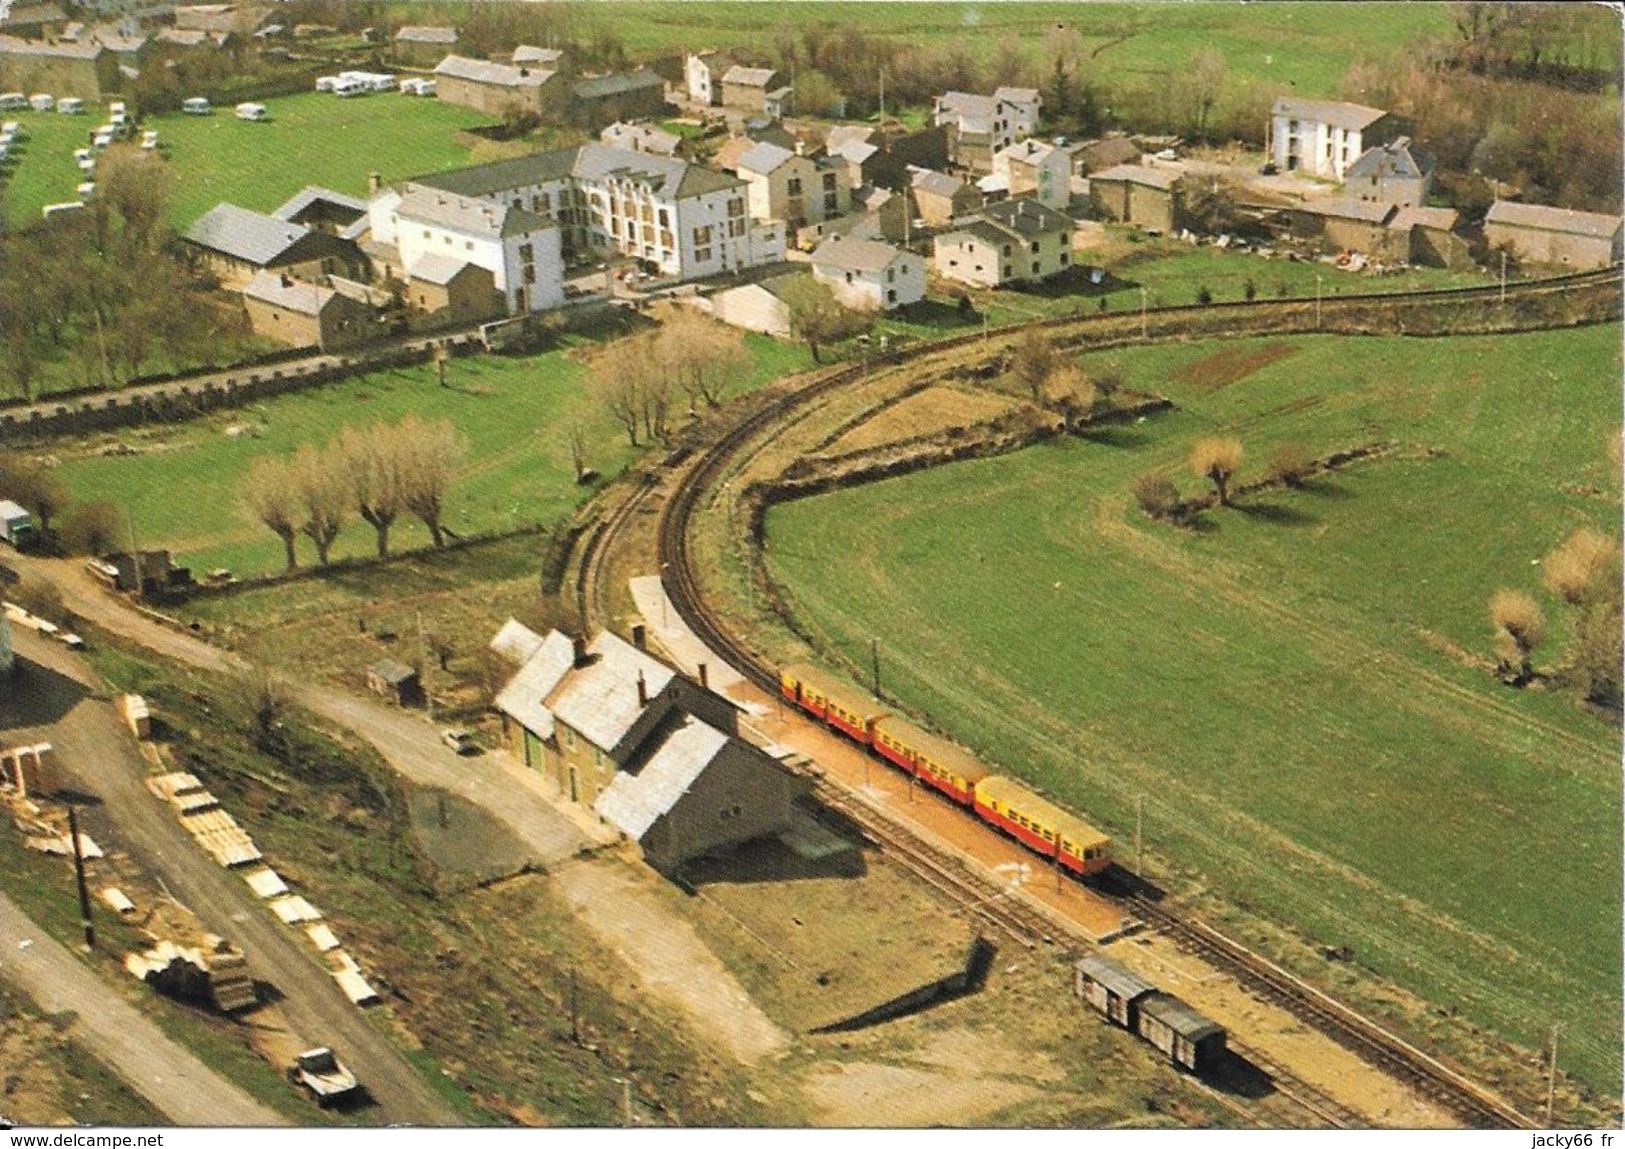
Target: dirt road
176,1083
58,702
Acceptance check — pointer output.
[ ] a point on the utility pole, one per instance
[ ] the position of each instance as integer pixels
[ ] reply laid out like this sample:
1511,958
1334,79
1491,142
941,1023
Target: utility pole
1139,836
1317,301
1503,276
84,893
1551,1075
135,552
423,652
626,1102
575,1011
874,660
1142,315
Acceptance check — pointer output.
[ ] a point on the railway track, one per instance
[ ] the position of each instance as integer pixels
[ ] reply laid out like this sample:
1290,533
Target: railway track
983,897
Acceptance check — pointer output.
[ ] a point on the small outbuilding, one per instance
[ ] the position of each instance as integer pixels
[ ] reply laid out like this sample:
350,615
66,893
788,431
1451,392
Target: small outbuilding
395,681
1535,233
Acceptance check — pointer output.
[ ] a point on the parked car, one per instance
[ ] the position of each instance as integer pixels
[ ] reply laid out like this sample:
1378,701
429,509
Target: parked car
460,741
324,1075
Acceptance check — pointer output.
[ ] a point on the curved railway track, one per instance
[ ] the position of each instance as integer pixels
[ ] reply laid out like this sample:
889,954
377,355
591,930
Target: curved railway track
990,902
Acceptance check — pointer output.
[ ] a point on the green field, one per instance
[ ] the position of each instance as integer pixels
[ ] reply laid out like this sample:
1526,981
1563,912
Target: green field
311,138
1291,686
183,488
1299,47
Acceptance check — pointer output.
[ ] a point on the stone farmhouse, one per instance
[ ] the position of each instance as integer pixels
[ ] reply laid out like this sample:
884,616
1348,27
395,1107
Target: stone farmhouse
782,185
984,125
1391,173
1536,234
867,275
1014,241
1323,137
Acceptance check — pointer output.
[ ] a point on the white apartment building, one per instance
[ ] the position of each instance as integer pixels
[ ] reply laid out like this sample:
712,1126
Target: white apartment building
1322,137
680,219
521,250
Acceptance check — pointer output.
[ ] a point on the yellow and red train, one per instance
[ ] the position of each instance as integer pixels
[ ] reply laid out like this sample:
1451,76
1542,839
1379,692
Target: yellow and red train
1005,803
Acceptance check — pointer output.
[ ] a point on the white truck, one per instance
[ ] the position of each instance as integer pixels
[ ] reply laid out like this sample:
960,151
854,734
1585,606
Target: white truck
16,524
324,1075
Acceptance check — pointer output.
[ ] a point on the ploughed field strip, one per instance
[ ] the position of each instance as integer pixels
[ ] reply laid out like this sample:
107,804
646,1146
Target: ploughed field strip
1473,1104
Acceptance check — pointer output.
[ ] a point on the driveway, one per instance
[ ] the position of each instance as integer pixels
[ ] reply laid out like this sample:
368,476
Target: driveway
62,702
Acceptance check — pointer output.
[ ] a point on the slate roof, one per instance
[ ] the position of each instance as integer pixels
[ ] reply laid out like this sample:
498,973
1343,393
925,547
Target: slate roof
762,159
1160,178
1027,217
1124,983
673,178
474,217
633,802
531,54
12,46
436,268
853,151
502,175
1543,218
842,134
392,672
1016,95
1440,218
600,700
487,72
845,253
641,138
1365,211
516,642
727,157
311,194
426,34
934,182
1389,161
749,77
1349,117
245,235
968,104
295,295
616,84
522,698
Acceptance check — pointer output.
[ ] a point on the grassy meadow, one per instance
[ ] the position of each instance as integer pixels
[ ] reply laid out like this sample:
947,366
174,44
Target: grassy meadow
1300,687
311,138
183,485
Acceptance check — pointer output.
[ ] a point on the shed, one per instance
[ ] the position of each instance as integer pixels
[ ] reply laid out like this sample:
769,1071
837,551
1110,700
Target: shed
1109,989
395,681
1190,1040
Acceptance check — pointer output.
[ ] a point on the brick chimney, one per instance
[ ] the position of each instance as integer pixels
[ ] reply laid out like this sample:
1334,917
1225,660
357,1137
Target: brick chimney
643,691
375,183
579,642
640,636
705,679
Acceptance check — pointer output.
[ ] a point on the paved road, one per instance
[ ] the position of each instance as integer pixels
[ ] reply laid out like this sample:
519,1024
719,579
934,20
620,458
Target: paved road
176,1083
59,702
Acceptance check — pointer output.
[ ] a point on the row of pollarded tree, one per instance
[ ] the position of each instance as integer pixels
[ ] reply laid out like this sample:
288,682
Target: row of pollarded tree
376,473
637,377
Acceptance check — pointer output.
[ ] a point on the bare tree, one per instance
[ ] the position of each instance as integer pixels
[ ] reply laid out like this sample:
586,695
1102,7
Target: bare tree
1070,391
430,454
817,318
1570,571
93,528
578,453
1157,495
36,487
1518,628
1216,458
1032,361
371,462
618,375
1289,464
706,356
323,495
272,496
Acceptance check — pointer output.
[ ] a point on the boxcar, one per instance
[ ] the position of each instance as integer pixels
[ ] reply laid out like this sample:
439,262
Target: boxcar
1041,825
832,701
1189,1039
934,761
1110,990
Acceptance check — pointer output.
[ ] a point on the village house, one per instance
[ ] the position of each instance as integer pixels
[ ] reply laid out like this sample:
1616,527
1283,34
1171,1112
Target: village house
942,198
984,125
521,249
496,88
1343,224
1429,239
1016,241
1139,196
702,75
1390,173
423,45
1323,137
239,18
323,209
748,89
1536,234
1091,156
85,70
877,213
443,291
301,314
532,56
641,138
396,681
867,275
679,219
35,21
1038,169
781,185
601,100
234,244
652,753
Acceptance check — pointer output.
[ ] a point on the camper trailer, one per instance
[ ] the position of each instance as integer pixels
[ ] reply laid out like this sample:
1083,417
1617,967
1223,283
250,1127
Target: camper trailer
196,106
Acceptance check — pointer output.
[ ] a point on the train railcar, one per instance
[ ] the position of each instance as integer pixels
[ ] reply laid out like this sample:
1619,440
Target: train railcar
1110,990
832,702
934,761
1042,825
1190,1040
